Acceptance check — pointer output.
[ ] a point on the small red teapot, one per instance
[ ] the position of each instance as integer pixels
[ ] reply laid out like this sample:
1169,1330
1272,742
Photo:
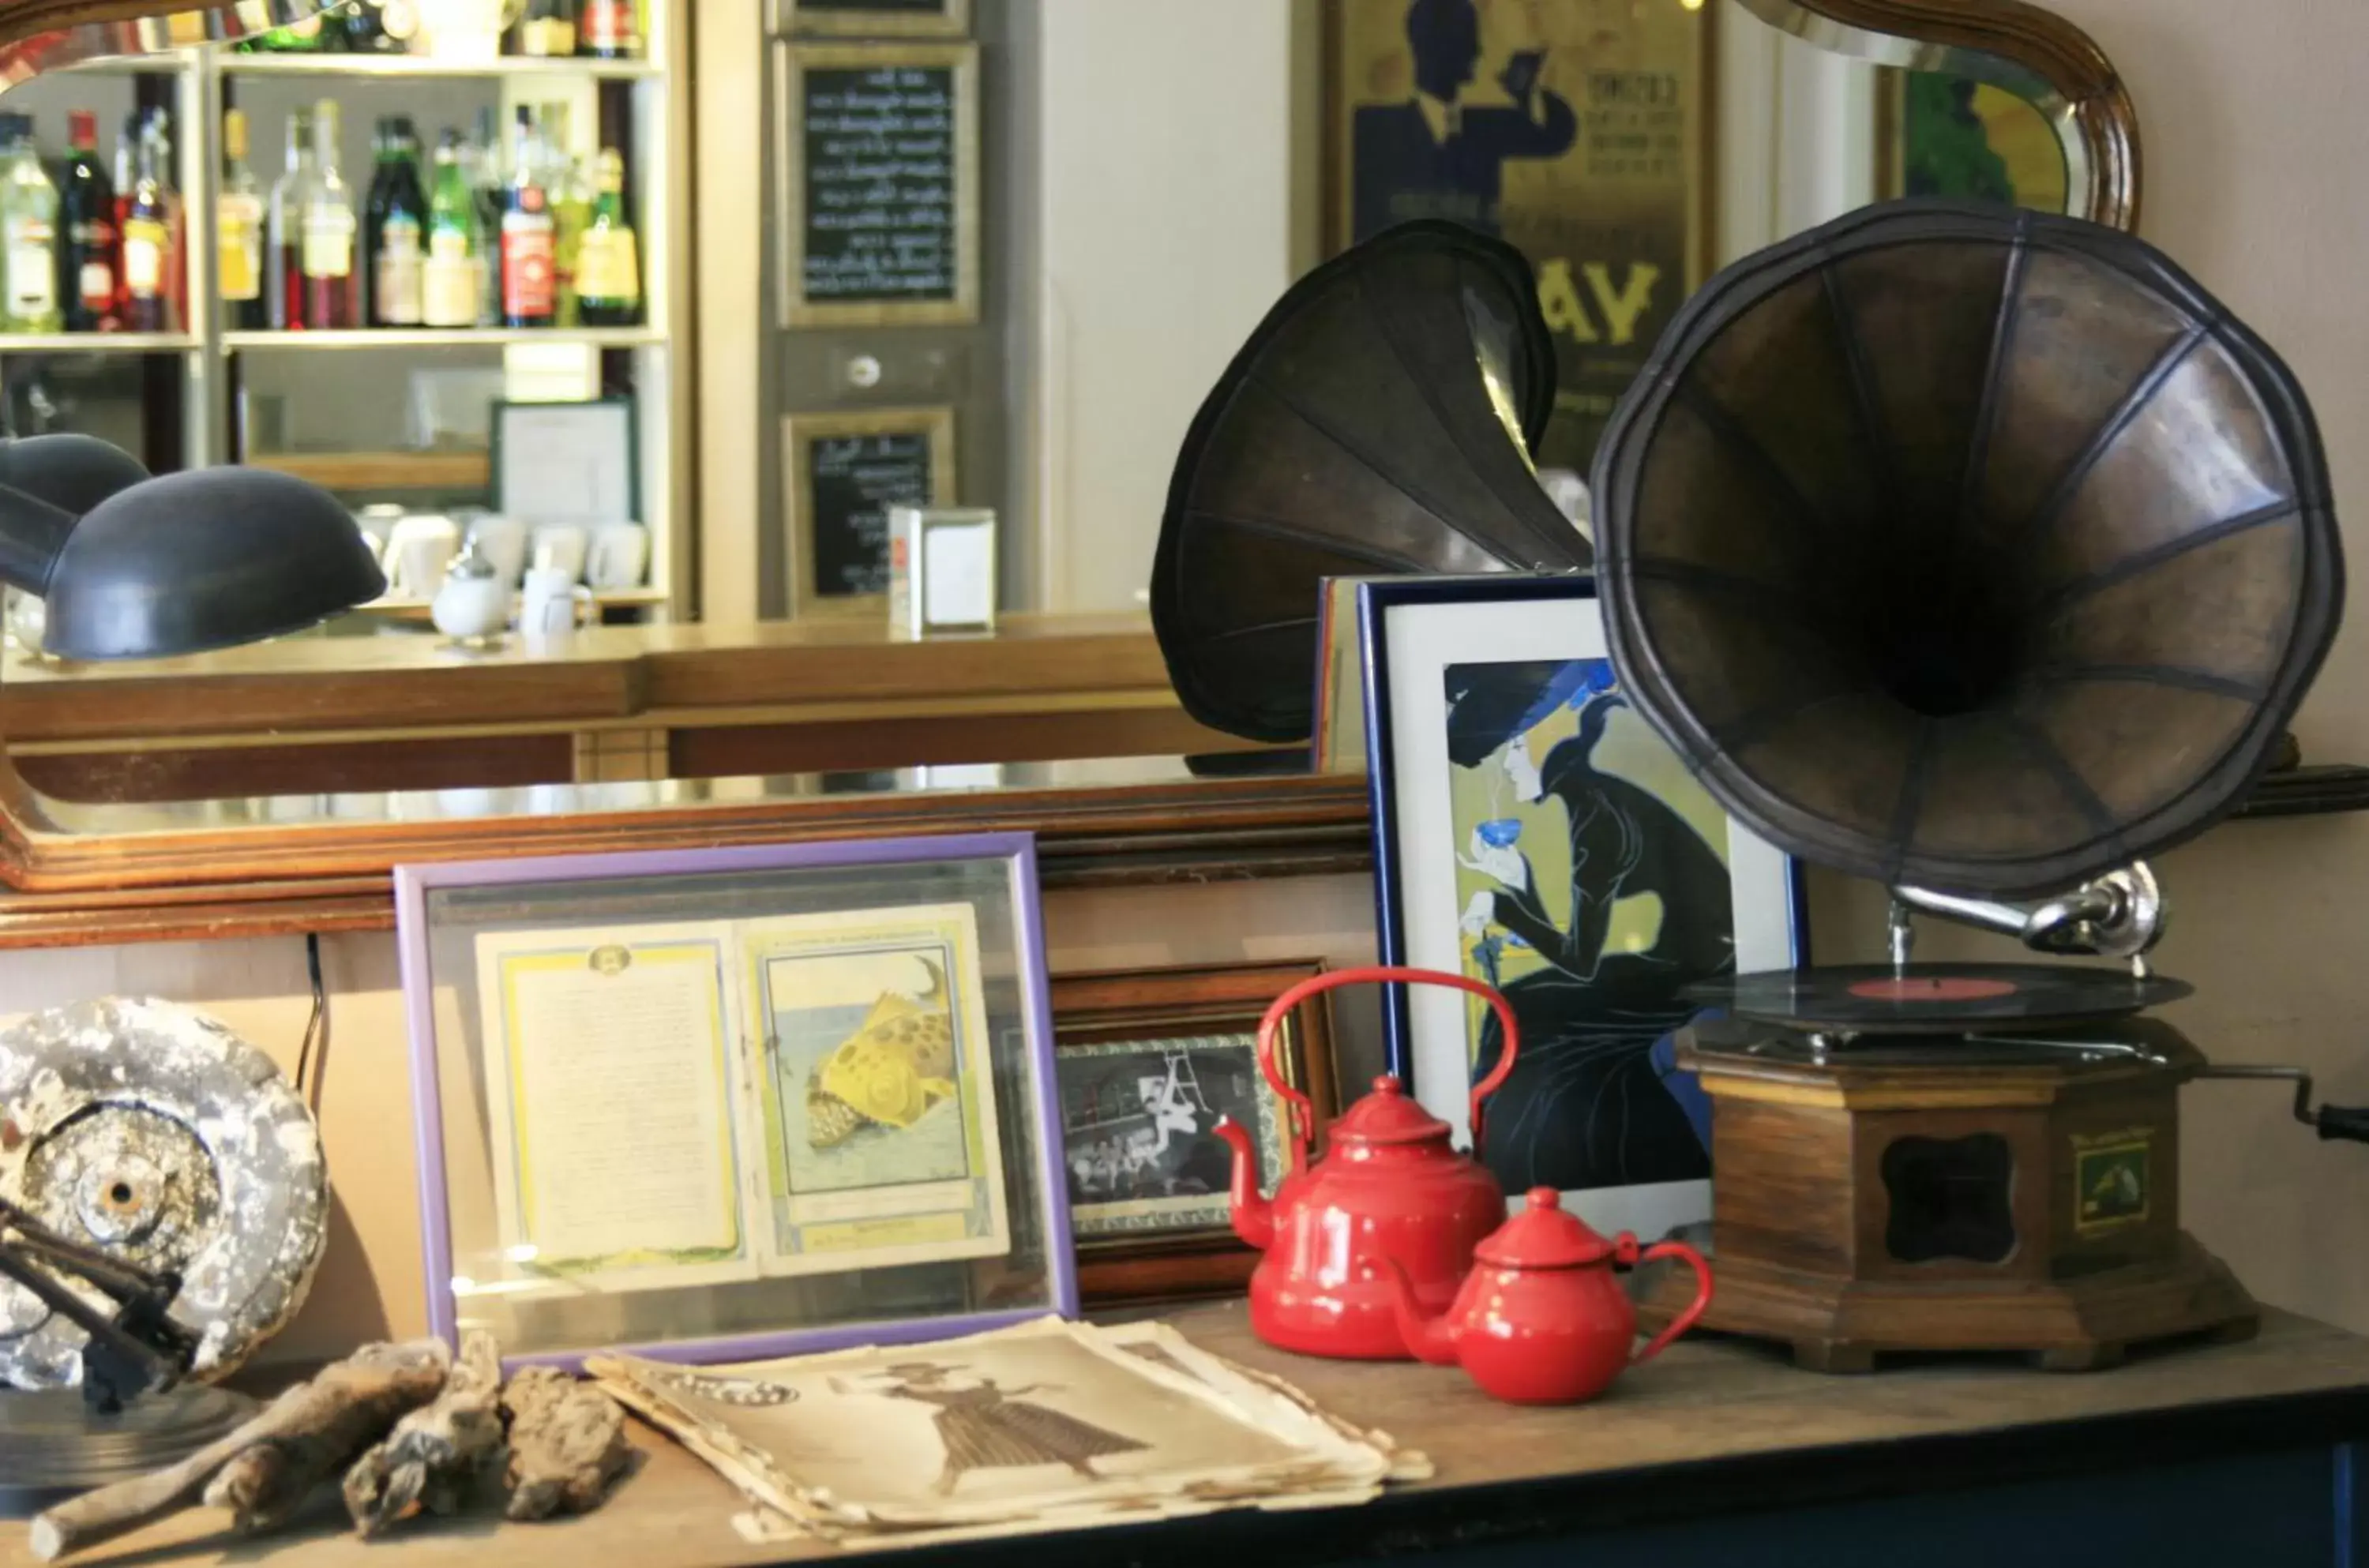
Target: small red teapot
1541,1320
1390,1186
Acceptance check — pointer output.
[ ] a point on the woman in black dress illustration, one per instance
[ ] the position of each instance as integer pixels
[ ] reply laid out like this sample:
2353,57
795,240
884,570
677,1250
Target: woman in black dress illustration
1591,1102
983,1427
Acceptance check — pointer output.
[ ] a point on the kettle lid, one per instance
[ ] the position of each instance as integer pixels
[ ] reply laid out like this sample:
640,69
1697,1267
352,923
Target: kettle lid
1542,1235
1387,1116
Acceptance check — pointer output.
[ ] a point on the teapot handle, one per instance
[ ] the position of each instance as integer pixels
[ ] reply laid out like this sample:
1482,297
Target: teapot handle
1627,1252
1302,1118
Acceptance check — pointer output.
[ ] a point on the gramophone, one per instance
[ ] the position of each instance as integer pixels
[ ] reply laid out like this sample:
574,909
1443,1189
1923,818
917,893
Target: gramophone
1978,550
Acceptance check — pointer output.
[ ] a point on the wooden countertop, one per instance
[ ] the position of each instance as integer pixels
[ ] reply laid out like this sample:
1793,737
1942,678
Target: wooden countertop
392,682
1711,1426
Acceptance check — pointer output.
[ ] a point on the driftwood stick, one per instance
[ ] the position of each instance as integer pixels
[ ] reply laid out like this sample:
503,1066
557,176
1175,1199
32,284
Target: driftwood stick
567,1443
264,1466
436,1454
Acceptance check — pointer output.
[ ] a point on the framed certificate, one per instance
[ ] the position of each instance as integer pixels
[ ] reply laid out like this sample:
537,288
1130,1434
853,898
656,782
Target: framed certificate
743,1101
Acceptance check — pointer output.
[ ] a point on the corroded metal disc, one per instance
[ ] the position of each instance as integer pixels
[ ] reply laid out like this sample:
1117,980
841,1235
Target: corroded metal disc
152,1132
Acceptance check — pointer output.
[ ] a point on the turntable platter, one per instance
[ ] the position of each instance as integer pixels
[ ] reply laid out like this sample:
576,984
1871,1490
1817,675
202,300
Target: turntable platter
1935,998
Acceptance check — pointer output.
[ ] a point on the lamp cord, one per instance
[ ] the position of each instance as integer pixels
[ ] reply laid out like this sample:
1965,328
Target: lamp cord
316,1032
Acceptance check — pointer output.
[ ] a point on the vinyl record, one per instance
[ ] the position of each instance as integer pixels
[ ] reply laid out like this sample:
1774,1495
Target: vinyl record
1931,999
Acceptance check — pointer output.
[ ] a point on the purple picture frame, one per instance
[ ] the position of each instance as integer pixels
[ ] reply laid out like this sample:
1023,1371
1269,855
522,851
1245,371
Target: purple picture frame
414,883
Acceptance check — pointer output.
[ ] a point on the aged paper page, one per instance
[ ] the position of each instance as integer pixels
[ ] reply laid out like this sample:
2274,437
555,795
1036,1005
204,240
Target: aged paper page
878,1093
612,1078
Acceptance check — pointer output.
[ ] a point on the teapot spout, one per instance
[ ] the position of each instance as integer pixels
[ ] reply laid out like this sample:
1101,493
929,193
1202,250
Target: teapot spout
1254,1217
1429,1336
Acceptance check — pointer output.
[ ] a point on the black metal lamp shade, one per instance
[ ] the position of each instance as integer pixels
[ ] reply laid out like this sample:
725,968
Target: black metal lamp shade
133,567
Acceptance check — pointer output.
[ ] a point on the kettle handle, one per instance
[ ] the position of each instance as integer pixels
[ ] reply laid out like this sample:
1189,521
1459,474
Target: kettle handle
1625,1252
1302,1118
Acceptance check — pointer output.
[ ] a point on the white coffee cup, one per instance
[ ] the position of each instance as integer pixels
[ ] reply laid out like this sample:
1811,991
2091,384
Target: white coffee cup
417,551
553,603
620,555
562,546
504,543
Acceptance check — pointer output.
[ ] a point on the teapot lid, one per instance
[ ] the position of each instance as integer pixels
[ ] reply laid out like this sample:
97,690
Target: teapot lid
1387,1116
1541,1235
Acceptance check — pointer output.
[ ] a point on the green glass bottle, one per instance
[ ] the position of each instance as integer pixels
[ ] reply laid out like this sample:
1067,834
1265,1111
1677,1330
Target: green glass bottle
608,258
451,277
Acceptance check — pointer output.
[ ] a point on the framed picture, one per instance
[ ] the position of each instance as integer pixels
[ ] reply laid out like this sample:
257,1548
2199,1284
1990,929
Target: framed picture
846,472
878,19
1574,130
734,1103
1148,1061
1940,134
1532,830
565,462
879,192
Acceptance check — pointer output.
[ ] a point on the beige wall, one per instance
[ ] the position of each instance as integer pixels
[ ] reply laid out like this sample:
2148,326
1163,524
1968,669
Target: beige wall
370,1284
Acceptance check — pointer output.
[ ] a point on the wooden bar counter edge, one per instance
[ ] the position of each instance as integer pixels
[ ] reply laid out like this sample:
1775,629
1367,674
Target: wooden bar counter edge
1713,1428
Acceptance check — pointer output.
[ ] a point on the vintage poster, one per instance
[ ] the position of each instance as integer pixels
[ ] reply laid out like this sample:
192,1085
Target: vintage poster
1594,879
1971,142
879,1104
1571,129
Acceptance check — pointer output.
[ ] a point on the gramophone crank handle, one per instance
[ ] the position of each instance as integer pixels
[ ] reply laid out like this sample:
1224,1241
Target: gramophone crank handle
2333,1121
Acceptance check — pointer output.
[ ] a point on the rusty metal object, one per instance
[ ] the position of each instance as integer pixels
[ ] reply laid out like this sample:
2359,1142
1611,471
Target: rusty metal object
1970,548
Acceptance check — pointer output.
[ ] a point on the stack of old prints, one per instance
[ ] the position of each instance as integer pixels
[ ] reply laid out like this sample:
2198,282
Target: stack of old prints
1046,1425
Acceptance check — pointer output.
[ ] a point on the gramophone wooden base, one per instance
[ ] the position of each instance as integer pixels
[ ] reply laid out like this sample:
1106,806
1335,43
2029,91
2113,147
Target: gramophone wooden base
1952,1193
2076,1325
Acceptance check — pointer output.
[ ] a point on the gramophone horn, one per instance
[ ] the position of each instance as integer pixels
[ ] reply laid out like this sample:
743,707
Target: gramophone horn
1968,548
1380,422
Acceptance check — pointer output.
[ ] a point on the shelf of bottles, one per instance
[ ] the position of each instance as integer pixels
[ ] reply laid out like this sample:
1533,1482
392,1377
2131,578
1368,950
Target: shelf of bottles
512,234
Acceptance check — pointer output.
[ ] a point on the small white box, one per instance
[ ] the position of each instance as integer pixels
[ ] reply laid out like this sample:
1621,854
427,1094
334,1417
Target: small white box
940,569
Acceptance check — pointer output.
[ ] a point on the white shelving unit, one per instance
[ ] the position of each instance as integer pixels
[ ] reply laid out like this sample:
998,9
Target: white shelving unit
204,78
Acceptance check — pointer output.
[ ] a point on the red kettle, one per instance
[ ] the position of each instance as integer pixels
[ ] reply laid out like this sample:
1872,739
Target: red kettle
1390,1189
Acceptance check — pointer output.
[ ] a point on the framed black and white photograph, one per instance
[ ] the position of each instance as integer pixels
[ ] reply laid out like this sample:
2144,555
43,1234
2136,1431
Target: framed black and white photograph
1532,830
566,461
1148,1062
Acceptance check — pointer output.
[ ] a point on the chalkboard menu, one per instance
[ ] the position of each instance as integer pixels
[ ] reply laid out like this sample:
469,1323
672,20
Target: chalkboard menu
885,229
880,16
846,471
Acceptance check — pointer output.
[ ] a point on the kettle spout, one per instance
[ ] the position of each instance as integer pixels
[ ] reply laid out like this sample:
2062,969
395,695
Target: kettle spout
1253,1216
1429,1336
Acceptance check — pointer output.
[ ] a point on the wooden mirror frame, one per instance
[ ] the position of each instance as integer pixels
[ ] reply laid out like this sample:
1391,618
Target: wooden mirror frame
109,873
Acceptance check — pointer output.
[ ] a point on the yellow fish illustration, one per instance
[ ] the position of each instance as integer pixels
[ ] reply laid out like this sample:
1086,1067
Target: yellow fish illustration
899,1063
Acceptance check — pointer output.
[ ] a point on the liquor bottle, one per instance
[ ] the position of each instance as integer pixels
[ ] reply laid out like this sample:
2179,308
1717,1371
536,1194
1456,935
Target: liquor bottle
570,198
86,208
127,157
159,130
283,278
451,278
483,161
608,30
238,232
324,261
528,237
363,30
609,261
548,29
396,228
147,241
28,232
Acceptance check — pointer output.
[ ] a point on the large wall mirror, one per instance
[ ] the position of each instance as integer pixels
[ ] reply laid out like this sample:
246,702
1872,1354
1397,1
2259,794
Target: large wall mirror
987,254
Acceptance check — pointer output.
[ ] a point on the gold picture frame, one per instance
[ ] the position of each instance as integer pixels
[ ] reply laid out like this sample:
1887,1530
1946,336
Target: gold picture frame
793,61
933,424
945,18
